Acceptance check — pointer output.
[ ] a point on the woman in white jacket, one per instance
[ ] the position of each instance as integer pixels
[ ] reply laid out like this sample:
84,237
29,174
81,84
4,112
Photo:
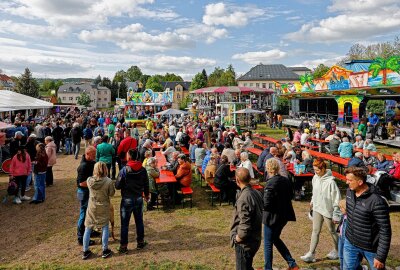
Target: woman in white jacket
325,206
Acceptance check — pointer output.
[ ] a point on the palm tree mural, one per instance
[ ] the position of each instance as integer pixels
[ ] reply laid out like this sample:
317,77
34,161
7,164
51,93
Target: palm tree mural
307,79
382,64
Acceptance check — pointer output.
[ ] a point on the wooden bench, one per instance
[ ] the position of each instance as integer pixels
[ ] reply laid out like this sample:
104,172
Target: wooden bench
339,176
187,193
256,169
215,191
255,151
259,145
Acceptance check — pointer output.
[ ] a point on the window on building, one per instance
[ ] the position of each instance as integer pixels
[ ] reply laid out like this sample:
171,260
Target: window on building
251,84
98,92
99,99
178,96
245,84
257,85
271,85
104,105
105,99
64,98
264,85
105,92
71,98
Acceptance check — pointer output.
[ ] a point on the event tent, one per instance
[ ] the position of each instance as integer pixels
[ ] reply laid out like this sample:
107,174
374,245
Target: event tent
11,101
171,112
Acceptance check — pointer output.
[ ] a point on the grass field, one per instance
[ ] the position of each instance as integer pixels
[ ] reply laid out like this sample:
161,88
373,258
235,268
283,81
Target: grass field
44,236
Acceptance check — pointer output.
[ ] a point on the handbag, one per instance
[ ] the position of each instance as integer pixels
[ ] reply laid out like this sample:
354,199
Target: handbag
12,187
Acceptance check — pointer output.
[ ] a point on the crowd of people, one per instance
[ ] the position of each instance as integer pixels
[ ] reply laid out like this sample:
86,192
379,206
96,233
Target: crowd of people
118,156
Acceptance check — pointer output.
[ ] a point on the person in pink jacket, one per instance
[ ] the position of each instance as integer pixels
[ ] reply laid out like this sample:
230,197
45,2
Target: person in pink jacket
51,150
19,170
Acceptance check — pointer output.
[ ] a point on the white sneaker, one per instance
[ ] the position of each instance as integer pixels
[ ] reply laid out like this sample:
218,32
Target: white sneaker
333,255
25,198
17,200
308,258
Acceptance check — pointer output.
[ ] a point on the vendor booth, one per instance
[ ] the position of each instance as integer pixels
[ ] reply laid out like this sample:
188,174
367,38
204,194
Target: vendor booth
343,92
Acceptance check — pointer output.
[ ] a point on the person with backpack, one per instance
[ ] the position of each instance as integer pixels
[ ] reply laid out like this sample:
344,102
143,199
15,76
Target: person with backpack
88,136
19,170
76,135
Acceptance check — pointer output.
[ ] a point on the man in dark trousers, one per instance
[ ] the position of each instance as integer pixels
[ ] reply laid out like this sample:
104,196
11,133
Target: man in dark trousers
368,232
57,134
247,221
133,182
85,170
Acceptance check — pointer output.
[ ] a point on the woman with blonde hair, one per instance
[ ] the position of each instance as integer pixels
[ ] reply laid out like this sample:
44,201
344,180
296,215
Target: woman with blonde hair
101,189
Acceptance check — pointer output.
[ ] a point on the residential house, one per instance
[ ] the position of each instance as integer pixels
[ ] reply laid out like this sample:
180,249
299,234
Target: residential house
6,83
181,91
99,95
265,76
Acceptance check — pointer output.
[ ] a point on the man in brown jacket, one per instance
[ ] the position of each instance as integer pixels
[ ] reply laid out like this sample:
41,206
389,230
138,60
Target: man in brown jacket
247,218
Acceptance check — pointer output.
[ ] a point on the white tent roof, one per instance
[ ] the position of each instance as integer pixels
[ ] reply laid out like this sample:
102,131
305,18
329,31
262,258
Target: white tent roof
11,101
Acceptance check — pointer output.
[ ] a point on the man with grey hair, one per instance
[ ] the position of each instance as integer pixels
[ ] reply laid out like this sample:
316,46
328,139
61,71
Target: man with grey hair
247,221
333,145
147,146
282,168
359,143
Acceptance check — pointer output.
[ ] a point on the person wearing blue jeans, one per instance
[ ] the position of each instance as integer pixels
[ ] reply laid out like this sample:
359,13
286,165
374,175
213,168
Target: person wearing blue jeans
29,178
131,206
76,147
133,181
85,170
352,256
104,241
278,210
40,174
68,146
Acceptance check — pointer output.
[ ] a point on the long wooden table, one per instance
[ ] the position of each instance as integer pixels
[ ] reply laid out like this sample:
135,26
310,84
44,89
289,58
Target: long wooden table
255,151
341,162
265,138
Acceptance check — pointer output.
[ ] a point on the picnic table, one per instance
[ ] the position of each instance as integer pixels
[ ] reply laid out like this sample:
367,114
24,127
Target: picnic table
185,150
162,161
320,142
265,138
255,151
156,146
341,162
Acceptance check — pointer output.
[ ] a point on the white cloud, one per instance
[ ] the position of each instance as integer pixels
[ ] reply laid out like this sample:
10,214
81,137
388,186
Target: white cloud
163,63
315,62
32,30
230,15
133,38
262,56
81,13
358,19
202,32
13,42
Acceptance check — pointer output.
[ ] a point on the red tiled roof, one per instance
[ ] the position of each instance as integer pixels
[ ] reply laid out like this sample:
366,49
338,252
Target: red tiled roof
4,77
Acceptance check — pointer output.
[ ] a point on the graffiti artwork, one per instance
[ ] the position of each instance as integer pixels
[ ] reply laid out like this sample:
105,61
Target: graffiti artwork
149,96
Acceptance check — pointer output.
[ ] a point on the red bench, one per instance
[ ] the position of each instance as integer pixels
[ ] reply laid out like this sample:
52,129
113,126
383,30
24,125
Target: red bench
256,169
255,151
339,176
187,193
259,145
215,191
258,187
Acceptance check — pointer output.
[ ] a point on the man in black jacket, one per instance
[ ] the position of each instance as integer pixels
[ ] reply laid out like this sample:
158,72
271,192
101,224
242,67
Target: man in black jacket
133,182
368,232
85,170
246,225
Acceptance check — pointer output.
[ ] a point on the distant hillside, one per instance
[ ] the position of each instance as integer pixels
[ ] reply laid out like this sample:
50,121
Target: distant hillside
67,80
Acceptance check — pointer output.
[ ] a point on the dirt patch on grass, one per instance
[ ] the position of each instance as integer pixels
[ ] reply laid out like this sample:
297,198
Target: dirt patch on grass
44,236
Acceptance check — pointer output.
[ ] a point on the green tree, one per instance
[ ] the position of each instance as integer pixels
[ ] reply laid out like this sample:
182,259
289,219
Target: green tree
376,106
184,104
204,73
154,83
133,74
84,100
123,89
106,82
198,82
214,78
382,64
27,85
114,90
97,80
143,80
171,77
320,71
282,105
120,76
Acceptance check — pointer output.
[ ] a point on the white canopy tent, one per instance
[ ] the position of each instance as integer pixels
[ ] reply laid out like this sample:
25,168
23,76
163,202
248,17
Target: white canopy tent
11,101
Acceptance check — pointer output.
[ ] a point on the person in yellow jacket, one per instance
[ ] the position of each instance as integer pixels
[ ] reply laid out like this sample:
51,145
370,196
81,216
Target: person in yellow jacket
149,125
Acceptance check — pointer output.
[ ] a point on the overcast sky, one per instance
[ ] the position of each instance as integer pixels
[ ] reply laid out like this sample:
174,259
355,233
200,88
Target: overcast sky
84,38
